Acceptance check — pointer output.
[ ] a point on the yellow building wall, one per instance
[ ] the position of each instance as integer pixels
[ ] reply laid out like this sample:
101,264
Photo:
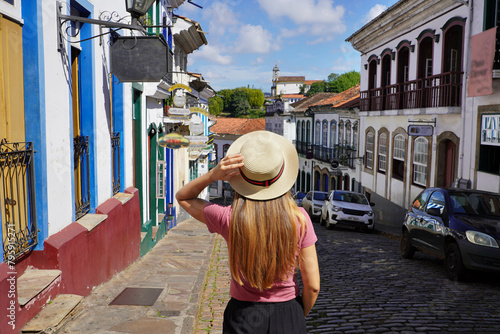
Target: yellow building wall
11,82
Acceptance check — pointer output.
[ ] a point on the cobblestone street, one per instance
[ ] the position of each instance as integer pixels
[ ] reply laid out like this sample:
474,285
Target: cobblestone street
366,287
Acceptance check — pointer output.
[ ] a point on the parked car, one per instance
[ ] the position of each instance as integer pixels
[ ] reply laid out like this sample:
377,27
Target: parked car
347,209
298,197
313,202
460,226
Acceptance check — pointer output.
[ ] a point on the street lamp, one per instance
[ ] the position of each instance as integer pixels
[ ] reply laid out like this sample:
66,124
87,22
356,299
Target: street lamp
138,8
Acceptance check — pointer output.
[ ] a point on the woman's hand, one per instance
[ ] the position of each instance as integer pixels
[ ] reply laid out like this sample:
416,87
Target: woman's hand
228,167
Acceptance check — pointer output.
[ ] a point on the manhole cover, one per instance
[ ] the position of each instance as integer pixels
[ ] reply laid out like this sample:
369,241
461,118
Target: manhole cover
137,296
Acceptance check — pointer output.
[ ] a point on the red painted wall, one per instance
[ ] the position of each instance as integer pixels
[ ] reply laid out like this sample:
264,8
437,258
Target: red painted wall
85,258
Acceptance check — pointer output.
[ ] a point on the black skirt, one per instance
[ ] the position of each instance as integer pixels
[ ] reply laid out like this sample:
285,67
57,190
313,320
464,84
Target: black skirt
264,318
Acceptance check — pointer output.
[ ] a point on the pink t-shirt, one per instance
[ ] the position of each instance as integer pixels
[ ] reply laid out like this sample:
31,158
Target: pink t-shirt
217,218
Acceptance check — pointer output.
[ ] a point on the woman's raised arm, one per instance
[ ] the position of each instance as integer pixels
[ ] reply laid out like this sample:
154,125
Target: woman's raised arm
187,196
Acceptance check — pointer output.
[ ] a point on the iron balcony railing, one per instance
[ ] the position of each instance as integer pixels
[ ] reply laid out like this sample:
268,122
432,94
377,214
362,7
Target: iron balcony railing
17,199
344,154
443,90
82,176
115,146
304,148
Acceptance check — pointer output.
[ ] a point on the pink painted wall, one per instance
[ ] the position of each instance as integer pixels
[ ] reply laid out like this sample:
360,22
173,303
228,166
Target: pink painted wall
85,258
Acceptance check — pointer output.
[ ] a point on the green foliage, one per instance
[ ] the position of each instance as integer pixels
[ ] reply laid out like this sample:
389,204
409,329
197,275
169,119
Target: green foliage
256,113
302,89
316,87
215,105
255,98
238,102
340,83
227,96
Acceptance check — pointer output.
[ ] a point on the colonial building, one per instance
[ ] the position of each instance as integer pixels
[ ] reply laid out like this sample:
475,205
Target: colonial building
418,128
84,183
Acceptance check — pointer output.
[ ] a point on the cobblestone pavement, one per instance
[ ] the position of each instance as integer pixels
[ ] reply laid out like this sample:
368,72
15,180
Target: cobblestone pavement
367,287
215,291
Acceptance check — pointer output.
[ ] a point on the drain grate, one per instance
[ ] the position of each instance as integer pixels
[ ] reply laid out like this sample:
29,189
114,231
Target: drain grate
137,296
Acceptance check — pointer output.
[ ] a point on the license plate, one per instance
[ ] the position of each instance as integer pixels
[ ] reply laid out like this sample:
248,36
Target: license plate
352,218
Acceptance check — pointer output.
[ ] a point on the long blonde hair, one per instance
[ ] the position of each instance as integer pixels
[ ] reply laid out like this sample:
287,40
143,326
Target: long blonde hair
263,241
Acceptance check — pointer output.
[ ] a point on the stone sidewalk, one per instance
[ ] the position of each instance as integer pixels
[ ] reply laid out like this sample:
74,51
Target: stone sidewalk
188,268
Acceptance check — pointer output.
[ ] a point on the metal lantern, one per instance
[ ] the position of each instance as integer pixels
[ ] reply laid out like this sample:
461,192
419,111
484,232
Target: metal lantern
138,7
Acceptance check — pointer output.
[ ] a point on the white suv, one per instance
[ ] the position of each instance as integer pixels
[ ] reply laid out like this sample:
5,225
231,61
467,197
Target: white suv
313,202
347,209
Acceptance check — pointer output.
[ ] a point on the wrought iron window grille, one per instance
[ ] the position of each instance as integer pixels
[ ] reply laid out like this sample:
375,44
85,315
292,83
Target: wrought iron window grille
17,198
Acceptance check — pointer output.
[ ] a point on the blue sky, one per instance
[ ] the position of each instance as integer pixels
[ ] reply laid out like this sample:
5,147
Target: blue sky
246,38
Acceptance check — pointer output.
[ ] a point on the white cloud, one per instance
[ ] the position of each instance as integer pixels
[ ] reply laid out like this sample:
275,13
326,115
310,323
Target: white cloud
374,12
258,61
212,54
254,39
313,17
221,17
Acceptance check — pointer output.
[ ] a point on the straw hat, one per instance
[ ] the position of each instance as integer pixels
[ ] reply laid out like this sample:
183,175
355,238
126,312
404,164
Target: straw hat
271,165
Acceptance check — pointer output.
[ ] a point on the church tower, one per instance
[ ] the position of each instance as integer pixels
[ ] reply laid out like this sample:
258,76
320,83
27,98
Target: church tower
276,74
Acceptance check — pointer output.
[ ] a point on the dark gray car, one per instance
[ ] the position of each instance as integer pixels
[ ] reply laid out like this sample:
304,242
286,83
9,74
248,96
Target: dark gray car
458,225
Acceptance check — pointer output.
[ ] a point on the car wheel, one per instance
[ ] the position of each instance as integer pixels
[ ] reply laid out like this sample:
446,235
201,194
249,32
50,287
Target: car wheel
453,265
407,250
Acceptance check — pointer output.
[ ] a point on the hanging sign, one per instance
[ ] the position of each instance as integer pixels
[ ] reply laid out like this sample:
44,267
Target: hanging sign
197,141
196,126
200,110
173,141
179,112
420,130
177,86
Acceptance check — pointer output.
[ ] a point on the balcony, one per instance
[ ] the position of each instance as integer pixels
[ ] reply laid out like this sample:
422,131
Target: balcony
443,90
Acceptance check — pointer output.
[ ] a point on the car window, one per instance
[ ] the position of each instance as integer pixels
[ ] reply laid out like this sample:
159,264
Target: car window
476,204
309,196
319,196
436,201
300,195
421,200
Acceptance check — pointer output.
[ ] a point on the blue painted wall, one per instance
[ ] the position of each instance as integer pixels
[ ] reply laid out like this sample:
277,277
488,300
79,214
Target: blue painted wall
34,106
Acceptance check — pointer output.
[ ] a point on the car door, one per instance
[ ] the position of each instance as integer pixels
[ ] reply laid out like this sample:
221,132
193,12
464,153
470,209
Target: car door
414,217
307,201
432,232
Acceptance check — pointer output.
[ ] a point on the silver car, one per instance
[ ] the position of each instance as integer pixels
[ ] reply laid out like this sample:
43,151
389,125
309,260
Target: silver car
347,209
313,202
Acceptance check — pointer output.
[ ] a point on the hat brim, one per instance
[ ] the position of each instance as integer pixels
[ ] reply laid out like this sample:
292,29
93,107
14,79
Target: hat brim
286,180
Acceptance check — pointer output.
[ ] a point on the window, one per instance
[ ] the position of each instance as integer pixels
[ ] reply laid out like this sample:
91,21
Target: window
398,160
382,152
355,136
420,161
492,19
348,133
369,150
224,149
333,133
325,134
317,133
341,133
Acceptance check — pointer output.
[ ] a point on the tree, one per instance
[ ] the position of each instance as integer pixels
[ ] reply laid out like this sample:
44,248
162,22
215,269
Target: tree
215,105
316,87
302,89
227,97
340,83
239,103
256,98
